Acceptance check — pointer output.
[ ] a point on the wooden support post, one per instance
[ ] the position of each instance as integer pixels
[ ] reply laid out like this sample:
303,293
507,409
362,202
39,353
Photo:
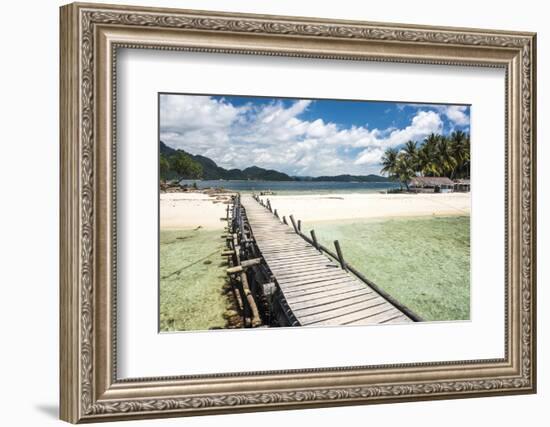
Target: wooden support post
247,312
340,255
294,223
269,205
314,238
244,265
284,220
275,213
255,318
300,225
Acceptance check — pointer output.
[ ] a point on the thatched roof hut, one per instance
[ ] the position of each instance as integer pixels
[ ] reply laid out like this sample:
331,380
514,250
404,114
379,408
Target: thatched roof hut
431,182
462,181
462,185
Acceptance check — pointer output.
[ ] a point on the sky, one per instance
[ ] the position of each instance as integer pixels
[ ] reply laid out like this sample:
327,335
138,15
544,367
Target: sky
300,137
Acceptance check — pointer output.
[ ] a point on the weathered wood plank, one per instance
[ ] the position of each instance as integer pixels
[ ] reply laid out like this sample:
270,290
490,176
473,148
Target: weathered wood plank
282,272
397,320
314,286
328,315
300,266
289,289
313,299
310,275
289,255
327,304
312,294
286,266
362,317
379,318
290,252
278,261
304,280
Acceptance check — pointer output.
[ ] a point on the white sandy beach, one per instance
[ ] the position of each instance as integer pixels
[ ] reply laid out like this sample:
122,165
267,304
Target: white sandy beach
191,210
330,207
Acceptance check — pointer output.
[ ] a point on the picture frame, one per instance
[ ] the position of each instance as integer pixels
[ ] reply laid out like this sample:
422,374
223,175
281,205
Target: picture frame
91,34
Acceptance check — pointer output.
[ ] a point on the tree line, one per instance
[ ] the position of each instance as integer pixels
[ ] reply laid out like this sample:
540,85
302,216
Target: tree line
437,155
179,166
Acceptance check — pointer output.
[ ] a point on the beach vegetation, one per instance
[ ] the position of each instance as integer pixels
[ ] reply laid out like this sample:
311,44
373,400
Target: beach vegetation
436,156
185,167
164,166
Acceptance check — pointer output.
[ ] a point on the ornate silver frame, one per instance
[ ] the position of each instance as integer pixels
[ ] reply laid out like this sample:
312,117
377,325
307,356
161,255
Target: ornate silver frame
90,35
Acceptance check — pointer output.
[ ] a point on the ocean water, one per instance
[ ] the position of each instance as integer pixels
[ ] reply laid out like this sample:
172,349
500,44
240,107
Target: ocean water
192,278
297,187
422,262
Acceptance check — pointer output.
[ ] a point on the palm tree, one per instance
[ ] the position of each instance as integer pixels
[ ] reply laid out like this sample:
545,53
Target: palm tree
444,157
389,161
404,169
460,150
437,155
427,163
411,152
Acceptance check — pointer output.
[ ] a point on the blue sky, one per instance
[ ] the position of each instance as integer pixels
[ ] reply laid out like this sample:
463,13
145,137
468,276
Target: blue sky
300,136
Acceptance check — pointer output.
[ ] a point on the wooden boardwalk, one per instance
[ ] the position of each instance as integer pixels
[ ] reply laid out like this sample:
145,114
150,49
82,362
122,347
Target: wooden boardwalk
316,289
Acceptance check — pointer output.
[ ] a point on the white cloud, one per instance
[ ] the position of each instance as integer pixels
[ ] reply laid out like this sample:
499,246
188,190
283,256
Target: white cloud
422,124
370,157
274,136
457,114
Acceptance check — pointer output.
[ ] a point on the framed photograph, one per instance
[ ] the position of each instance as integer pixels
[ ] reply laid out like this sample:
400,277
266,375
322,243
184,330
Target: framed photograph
266,212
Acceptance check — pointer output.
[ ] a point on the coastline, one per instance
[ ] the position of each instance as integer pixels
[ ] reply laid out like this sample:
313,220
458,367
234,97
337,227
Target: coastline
188,210
361,206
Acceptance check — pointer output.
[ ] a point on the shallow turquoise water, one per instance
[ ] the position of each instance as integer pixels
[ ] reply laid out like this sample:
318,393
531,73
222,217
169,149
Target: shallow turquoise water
422,262
297,187
192,278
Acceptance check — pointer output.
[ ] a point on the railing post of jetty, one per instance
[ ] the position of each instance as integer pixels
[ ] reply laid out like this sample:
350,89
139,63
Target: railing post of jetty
340,255
275,213
299,225
315,242
294,224
284,220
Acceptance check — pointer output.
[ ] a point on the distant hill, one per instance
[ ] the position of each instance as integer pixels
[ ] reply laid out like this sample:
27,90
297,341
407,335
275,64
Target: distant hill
212,171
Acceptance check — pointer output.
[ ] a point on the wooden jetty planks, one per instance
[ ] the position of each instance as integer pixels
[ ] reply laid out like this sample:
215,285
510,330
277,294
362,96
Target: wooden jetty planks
326,291
315,288
344,310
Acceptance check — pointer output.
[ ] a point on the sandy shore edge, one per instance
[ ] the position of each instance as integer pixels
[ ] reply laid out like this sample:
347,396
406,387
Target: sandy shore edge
191,210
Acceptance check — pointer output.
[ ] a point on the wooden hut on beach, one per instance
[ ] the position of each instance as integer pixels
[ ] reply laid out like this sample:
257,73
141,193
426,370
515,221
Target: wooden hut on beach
462,185
431,184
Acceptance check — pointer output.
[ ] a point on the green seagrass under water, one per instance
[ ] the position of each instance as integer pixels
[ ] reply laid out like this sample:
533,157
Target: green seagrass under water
192,277
422,262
